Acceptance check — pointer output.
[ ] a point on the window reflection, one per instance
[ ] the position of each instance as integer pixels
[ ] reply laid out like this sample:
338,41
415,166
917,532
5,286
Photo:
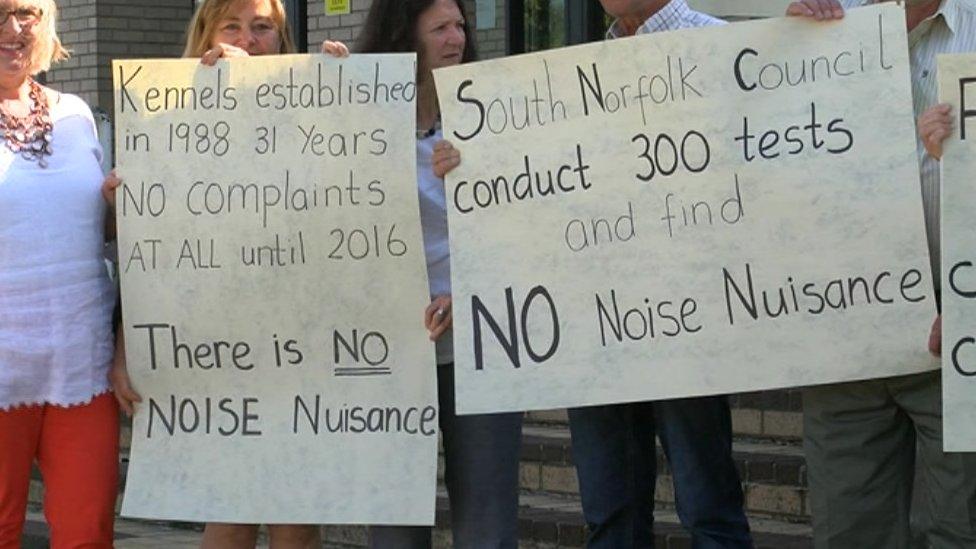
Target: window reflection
545,24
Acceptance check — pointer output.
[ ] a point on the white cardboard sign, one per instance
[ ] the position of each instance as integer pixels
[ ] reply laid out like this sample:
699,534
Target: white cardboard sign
957,86
273,284
687,213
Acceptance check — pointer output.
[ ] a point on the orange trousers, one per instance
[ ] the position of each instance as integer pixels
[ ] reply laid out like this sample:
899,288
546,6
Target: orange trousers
77,452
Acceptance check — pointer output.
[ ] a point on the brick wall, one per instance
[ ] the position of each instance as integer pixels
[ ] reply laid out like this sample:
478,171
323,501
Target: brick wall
344,28
76,28
491,42
98,31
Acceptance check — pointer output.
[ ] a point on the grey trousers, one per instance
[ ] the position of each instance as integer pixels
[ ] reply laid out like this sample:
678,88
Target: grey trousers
861,441
481,471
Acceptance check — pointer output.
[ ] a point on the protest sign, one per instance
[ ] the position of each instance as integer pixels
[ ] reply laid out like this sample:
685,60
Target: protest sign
686,213
957,87
273,286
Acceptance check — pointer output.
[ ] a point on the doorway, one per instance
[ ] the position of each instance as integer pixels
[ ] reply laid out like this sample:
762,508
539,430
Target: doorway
536,25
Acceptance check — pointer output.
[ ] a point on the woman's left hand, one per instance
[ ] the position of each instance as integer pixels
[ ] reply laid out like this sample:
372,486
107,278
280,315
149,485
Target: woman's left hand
437,317
445,158
118,376
935,337
109,185
221,51
335,48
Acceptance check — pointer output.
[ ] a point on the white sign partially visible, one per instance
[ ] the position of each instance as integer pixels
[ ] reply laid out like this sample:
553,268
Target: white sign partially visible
485,15
957,87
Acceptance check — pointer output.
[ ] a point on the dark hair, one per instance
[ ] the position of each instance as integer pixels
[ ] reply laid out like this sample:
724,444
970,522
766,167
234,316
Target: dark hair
391,27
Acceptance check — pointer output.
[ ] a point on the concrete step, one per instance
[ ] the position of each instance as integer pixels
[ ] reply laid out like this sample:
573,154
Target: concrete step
774,415
766,452
768,414
555,521
773,474
546,521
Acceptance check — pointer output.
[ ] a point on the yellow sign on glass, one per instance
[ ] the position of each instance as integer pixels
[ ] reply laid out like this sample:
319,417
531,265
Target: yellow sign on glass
336,7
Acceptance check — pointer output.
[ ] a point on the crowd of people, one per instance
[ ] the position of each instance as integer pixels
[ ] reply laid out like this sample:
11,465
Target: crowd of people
63,377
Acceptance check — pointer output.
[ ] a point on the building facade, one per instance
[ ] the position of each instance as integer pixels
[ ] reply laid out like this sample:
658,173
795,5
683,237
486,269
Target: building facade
97,31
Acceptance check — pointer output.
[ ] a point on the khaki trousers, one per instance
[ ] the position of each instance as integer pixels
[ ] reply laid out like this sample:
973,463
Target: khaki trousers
861,441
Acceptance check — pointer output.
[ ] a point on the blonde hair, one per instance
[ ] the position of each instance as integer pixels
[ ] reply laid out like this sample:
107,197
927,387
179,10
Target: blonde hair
47,46
203,26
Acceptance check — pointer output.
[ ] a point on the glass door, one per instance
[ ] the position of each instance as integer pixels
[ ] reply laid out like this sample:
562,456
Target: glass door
297,11
545,24
535,25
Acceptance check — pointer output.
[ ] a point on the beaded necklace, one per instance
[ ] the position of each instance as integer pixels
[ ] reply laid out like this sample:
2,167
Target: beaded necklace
30,136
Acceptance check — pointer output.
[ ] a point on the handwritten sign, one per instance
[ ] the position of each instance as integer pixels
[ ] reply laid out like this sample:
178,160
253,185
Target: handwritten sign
485,14
688,213
957,86
273,280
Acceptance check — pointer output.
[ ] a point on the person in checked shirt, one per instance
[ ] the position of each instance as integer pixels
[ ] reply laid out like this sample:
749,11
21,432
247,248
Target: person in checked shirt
613,446
862,439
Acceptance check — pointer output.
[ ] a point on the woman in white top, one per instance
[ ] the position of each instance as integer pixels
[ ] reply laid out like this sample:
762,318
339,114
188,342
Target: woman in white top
56,299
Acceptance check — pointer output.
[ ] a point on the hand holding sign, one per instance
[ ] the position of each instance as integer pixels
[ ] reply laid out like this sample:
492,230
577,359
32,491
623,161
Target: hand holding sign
934,127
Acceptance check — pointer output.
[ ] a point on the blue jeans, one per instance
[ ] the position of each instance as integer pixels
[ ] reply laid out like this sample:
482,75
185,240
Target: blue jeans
481,471
616,461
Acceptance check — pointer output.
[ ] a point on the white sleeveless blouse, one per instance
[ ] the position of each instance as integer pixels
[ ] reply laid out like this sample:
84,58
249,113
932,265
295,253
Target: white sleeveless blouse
56,299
